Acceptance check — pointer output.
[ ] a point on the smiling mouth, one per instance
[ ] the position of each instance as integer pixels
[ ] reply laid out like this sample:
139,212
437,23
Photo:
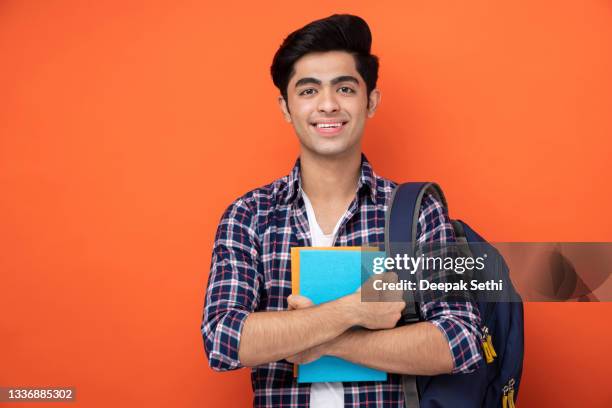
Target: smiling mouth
325,125
329,128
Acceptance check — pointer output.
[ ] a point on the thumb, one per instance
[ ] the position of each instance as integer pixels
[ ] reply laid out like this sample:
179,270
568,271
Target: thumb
298,302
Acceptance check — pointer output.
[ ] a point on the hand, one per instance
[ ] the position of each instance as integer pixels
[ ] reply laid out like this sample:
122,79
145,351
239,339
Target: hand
377,309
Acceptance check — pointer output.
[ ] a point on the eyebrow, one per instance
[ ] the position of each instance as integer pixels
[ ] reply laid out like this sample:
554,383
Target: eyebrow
342,78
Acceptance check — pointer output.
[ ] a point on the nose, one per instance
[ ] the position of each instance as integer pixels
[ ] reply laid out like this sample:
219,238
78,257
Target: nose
327,101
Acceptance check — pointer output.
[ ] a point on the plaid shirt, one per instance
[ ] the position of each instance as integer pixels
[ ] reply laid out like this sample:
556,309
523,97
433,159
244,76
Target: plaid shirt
251,271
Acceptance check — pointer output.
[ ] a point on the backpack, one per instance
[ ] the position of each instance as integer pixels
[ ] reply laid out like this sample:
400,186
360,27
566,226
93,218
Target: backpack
496,382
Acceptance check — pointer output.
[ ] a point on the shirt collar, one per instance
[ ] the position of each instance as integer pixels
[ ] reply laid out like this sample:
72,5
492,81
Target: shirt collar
367,180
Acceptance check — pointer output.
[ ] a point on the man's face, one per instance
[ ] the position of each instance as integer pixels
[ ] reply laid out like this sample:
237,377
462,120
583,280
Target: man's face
328,103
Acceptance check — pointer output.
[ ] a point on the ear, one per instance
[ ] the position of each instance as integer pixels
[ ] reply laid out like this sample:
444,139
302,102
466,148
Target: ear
284,109
373,102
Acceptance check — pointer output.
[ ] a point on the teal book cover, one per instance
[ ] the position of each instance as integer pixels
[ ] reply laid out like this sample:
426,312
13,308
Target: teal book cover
323,275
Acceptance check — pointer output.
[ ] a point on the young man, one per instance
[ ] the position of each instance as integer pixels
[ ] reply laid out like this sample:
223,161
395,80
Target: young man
327,80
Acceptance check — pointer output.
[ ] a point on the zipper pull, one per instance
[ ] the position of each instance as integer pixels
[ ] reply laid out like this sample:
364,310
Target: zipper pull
511,393
487,352
487,346
505,397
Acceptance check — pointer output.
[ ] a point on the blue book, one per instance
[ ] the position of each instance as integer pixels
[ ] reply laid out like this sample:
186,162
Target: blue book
325,274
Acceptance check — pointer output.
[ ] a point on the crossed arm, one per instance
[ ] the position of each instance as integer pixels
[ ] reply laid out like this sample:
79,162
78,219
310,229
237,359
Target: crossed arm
361,332
307,332
419,349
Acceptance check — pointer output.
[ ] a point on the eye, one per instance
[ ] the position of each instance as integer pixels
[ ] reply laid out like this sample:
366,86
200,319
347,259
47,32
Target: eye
308,91
346,89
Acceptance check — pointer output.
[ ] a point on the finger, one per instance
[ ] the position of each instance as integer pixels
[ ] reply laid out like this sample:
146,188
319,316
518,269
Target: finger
401,305
368,291
309,356
391,277
390,293
290,304
309,359
298,302
305,301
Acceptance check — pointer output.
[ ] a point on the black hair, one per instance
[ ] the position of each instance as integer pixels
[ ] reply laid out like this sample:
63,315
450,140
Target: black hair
338,32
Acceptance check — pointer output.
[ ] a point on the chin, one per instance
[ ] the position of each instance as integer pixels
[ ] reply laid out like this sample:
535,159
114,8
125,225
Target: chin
331,151
329,147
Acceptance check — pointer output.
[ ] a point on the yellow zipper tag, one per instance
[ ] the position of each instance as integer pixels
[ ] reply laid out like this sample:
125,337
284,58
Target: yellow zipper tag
487,345
511,393
505,397
491,348
487,352
511,398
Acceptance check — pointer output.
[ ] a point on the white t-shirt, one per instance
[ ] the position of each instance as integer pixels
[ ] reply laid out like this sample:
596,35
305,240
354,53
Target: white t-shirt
324,394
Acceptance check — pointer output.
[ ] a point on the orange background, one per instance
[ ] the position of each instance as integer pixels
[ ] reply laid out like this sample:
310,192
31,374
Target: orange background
127,128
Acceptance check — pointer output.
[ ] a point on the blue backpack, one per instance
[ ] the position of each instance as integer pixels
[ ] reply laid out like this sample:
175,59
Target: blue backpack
496,382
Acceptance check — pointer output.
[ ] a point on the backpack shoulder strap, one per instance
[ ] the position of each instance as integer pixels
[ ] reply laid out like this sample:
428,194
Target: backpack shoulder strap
401,222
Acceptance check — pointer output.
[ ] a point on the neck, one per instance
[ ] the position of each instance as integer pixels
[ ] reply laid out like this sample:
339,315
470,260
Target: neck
330,178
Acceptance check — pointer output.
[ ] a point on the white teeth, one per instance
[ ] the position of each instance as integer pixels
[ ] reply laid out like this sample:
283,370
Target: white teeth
328,125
